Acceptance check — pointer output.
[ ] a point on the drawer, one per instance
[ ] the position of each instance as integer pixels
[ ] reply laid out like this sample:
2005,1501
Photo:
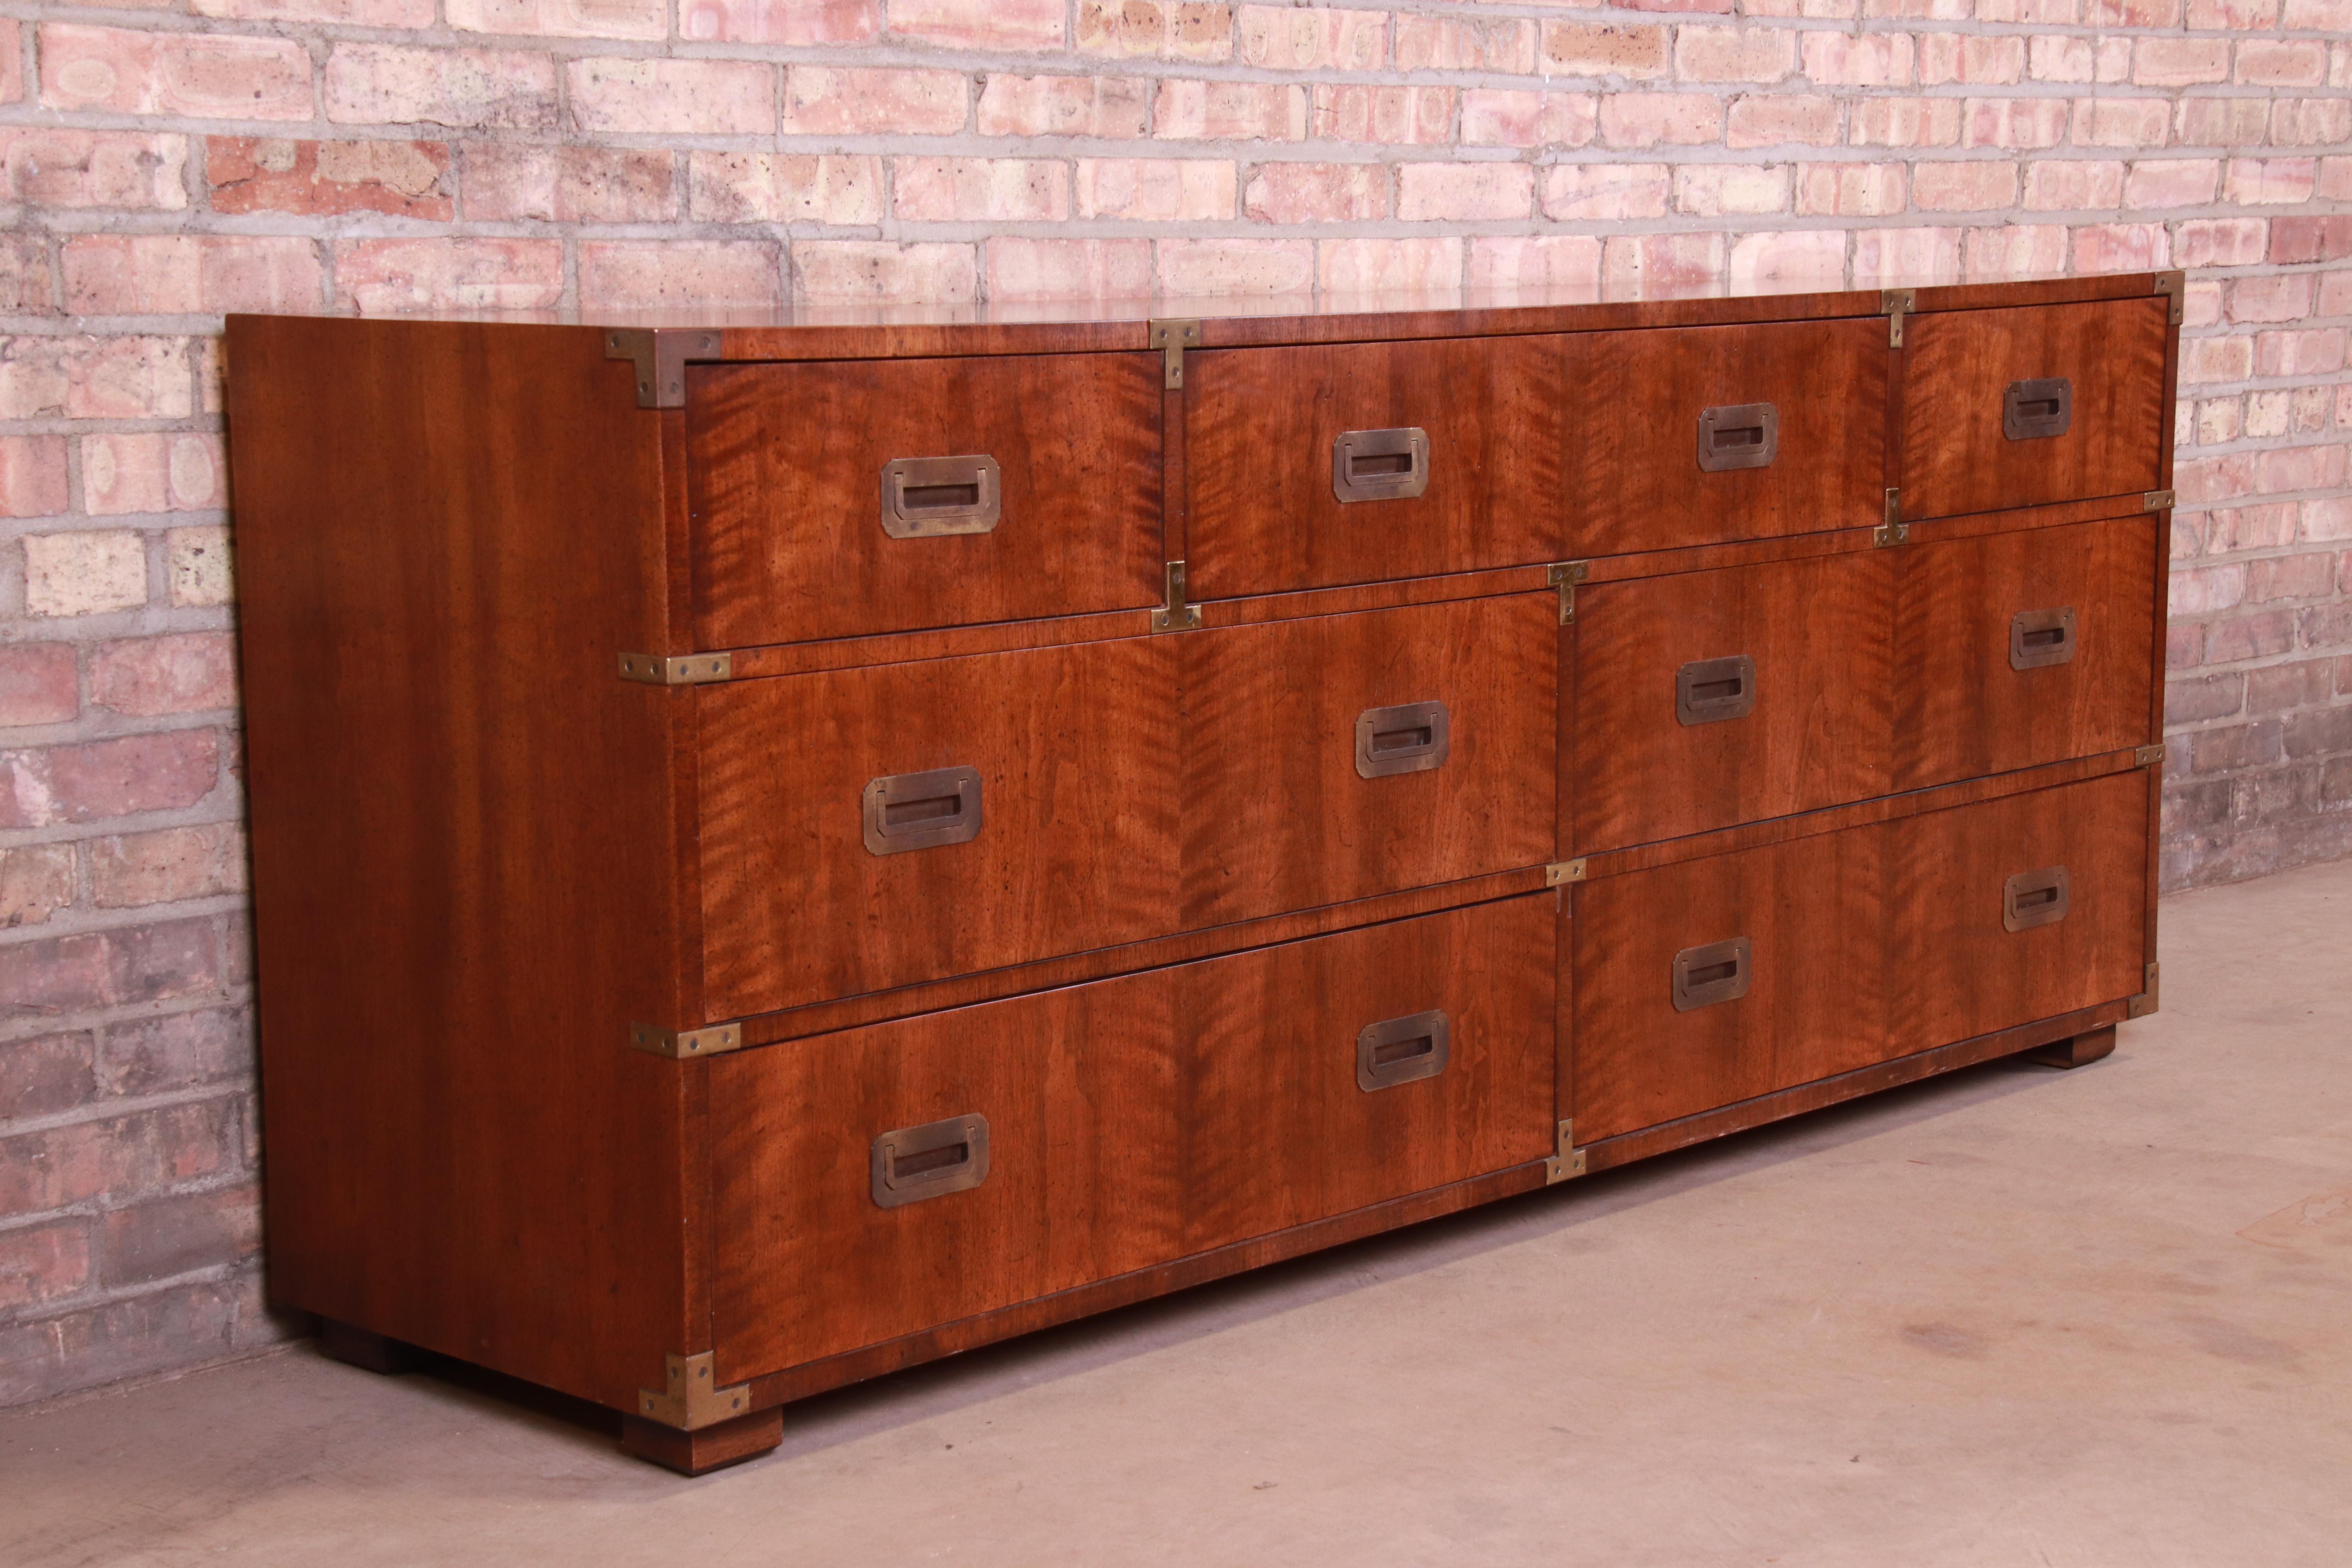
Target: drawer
1126,1123
1307,467
1706,699
1715,980
837,499
1342,756
2020,407
1695,434
868,828
2015,649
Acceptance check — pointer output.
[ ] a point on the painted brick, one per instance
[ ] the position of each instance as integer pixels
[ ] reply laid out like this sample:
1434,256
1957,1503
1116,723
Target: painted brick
1133,29
1459,44
836,270
384,84
1725,190
1459,193
779,21
1229,112
401,179
1020,267
779,188
1389,266
1506,117
1643,120
508,182
674,97
1850,190
130,870
36,881
1287,38
201,75
1973,186
1317,193
181,274
58,168
970,190
378,275
153,471
48,1073
1237,267
1393,116
31,480
40,1263
1156,190
1016,25
1070,105
84,573
643,19
1630,53
1565,262
36,685
670,274
1605,192
1782,121
197,563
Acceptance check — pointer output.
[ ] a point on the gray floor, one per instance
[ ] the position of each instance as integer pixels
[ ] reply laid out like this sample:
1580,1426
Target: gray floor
2013,1317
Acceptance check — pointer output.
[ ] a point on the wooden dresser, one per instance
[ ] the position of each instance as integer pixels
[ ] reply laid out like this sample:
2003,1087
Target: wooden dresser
786,851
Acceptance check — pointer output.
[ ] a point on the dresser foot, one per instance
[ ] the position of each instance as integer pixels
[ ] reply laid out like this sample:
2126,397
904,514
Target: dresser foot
2080,1051
364,1349
705,1448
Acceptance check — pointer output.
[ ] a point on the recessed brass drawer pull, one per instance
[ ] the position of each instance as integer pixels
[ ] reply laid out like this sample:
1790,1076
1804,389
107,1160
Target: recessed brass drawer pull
922,811
1741,435
1408,739
2035,410
926,497
1709,690
1379,465
1399,1050
911,1163
2034,899
1718,972
2039,637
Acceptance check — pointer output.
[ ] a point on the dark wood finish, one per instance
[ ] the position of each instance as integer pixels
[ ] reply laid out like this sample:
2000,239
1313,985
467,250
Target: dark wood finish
447,532
786,471
2076,1050
1633,434
1955,455
1130,1121
361,1348
1262,516
1077,847
1276,814
1819,734
705,1448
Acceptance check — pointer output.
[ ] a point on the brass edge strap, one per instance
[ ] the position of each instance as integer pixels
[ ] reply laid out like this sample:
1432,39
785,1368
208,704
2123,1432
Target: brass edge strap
661,355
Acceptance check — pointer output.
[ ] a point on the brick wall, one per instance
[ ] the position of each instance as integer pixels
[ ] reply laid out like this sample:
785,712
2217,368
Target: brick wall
169,160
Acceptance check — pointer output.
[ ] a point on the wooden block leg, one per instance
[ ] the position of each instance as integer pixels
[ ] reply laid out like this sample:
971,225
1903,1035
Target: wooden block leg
705,1448
2080,1051
363,1349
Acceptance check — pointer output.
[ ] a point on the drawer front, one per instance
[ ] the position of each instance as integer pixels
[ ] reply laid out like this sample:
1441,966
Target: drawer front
1268,458
838,498
1860,946
1696,435
1342,756
1128,1122
868,828
2020,407
1713,698
2015,649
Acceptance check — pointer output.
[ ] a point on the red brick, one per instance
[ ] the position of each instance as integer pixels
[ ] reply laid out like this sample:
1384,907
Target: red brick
1389,267
1164,29
1631,53
1604,193
476,89
1859,59
2235,638
84,573
2184,644
48,1073
213,76
507,181
2282,62
184,672
2319,352
1237,267
1720,190
176,1051
179,274
140,1334
1780,120
1640,119
779,21
2220,242
1465,193
832,271
58,168
1156,190
35,880
401,179
2269,182
2013,250
1977,186
1394,116
1460,44
159,963
42,1263
2122,121
2278,687
1906,122
777,187
2231,529
36,683
2309,576
2300,468
24,289
1287,38
1735,54
1503,117
2119,248
1026,268
1023,25
1101,106
441,273
647,20
2221,121
830,100
2301,239
983,190
2014,123
2180,62
1889,256
108,778
673,98
678,274
343,12
1315,193
136,869
1661,266
1567,263
177,1234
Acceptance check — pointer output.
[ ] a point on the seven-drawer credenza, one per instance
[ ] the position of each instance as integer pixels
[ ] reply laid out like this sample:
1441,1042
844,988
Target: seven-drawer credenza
782,851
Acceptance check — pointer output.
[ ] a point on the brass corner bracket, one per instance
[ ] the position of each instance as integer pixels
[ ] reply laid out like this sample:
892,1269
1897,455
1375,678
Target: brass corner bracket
1565,575
679,1044
2148,756
2157,500
1570,1159
1896,303
684,669
693,1398
2141,1006
1171,336
2173,285
661,354
1177,615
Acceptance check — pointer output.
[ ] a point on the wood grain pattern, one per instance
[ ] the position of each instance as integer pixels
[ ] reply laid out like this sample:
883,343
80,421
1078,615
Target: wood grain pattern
787,464
1819,734
1079,847
1275,815
1262,517
1960,709
1132,1122
463,846
1633,441
1955,457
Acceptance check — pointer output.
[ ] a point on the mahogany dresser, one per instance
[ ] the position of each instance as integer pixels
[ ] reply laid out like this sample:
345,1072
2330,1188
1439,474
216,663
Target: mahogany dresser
785,851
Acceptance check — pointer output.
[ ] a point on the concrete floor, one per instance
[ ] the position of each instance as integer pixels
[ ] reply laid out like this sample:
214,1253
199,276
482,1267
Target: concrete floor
2015,1316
